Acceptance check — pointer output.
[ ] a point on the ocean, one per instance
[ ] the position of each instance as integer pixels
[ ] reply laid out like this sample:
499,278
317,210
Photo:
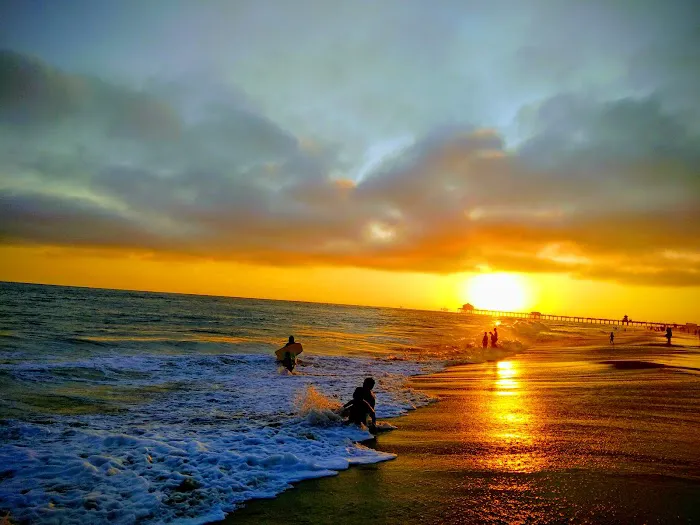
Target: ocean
135,407
120,406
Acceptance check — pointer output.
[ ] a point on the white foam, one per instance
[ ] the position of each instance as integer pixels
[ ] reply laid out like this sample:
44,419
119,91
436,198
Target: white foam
230,432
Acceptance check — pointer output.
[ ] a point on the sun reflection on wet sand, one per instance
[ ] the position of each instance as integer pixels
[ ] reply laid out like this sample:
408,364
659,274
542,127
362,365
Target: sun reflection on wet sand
511,423
505,384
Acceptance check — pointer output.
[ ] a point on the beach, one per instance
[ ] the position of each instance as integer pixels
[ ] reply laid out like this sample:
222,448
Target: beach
392,262
124,407
551,435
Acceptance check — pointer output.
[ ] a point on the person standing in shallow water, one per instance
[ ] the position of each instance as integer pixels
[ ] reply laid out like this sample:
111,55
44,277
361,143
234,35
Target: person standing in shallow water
612,338
290,360
485,340
495,336
669,335
494,339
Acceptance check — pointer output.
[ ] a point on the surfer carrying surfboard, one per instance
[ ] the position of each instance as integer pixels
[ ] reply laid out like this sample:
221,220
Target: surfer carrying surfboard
287,355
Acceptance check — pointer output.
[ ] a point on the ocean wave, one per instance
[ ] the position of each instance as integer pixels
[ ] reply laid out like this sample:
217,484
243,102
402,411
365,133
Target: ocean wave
233,430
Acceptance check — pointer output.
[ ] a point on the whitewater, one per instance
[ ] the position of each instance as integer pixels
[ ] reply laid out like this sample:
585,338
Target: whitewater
124,406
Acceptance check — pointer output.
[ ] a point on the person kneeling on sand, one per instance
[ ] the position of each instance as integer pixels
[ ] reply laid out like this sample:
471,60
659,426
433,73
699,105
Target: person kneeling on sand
361,406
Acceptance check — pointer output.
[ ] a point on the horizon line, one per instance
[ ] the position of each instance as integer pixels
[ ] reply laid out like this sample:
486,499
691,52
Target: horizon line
457,310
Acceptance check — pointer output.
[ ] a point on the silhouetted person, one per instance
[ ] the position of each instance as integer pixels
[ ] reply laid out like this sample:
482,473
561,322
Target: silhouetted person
669,335
494,338
289,361
361,407
612,338
485,340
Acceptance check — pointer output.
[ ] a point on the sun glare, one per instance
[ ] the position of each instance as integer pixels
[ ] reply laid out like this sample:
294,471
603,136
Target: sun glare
498,291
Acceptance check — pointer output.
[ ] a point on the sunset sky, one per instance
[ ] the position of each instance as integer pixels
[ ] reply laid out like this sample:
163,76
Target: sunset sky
369,152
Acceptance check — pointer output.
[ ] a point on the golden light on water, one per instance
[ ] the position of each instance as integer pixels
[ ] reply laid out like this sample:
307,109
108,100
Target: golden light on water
512,424
505,383
498,291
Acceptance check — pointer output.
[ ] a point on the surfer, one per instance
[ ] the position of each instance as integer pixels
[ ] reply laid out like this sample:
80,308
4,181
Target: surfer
361,406
289,359
485,340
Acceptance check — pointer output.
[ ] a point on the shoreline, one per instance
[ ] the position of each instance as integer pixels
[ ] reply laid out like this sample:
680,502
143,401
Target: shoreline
372,443
235,517
484,453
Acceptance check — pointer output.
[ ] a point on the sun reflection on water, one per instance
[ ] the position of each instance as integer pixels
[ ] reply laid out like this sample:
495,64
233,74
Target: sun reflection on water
512,423
505,384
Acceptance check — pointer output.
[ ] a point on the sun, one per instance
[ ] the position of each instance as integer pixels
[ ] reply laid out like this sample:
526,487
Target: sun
498,291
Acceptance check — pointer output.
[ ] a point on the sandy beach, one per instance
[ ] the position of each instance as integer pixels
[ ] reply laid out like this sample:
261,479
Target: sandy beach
577,434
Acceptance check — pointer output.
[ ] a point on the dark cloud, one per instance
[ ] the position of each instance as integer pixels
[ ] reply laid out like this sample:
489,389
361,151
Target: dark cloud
70,222
608,189
35,95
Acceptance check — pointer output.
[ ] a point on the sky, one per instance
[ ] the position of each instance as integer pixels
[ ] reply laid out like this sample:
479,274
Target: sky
359,152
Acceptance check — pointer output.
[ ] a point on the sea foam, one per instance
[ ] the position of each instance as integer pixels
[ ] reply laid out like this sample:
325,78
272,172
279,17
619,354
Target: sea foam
235,428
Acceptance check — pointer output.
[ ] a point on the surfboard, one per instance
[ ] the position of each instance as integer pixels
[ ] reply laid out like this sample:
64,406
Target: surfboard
383,426
380,428
294,348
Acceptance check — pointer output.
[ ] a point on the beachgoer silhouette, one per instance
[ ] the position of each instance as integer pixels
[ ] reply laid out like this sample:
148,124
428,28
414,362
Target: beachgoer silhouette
493,340
485,340
612,338
289,361
362,405
669,335
495,336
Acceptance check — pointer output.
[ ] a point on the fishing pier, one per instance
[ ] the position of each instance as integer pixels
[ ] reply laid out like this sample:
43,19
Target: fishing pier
624,321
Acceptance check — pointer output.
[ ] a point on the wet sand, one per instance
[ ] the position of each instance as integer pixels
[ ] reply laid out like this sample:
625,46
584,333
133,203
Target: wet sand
553,435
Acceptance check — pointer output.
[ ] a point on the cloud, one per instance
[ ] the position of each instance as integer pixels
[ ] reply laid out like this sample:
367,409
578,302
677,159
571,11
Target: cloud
601,188
35,95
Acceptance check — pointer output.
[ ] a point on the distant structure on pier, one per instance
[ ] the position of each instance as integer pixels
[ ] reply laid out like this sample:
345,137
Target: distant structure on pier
624,321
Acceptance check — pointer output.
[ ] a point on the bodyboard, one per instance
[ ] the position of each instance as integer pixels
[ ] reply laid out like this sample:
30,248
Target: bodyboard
294,348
